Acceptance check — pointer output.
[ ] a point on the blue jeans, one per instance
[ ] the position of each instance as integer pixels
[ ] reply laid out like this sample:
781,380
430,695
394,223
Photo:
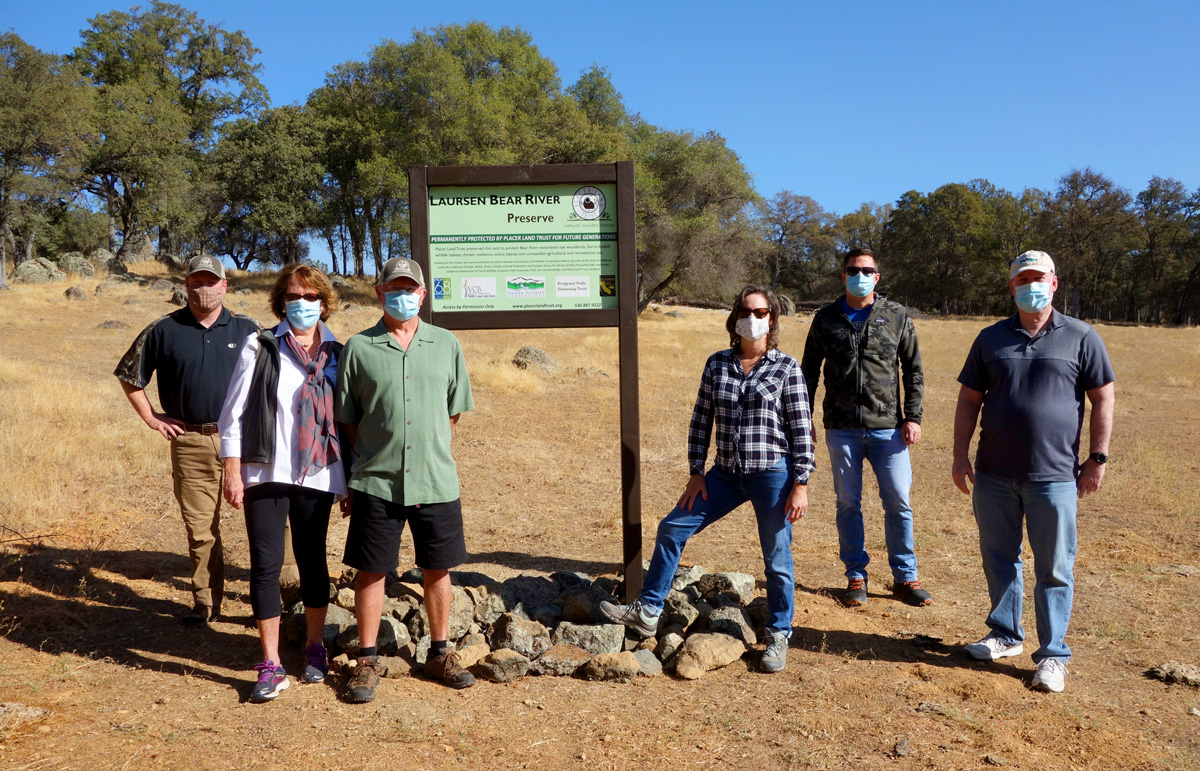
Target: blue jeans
888,454
768,492
1048,509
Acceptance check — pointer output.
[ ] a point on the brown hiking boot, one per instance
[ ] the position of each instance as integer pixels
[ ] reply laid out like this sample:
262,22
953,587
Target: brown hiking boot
360,688
448,669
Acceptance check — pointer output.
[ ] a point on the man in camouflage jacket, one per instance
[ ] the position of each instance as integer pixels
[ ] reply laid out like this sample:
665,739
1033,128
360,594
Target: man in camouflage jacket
868,345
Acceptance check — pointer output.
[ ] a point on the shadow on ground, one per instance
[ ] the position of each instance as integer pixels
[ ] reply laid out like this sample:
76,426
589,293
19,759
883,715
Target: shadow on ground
77,609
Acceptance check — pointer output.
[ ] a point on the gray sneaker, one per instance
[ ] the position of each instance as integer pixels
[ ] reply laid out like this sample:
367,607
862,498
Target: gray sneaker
633,616
774,658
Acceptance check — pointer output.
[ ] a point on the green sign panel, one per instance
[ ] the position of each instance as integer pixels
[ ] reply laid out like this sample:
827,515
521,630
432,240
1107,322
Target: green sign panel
526,247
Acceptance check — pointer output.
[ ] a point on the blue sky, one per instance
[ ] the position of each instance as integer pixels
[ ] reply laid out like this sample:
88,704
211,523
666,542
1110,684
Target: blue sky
844,102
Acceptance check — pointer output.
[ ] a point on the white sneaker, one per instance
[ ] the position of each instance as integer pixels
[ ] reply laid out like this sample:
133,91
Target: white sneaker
993,647
1050,676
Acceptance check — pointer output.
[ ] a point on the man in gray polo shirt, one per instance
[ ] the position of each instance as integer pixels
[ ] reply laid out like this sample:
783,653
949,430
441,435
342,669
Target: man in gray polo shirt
1029,375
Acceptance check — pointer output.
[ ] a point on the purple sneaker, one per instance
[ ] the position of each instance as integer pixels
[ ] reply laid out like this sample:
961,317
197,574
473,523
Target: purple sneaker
315,663
272,681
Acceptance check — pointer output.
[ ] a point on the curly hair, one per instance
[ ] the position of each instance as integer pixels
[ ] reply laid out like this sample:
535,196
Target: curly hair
313,278
772,303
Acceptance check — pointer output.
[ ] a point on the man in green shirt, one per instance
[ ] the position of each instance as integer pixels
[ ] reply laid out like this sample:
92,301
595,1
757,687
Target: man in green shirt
401,386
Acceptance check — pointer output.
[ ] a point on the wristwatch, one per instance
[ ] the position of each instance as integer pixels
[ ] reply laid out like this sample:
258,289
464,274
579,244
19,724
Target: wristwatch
1099,457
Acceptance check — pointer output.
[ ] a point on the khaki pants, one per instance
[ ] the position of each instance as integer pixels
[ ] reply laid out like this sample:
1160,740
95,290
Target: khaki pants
199,475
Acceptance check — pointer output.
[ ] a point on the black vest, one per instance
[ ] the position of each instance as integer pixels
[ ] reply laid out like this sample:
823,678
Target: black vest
258,420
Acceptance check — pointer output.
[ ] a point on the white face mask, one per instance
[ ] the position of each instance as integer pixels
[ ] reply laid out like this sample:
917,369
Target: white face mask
751,328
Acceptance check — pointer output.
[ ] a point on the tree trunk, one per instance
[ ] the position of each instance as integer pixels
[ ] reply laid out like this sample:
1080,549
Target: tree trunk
333,256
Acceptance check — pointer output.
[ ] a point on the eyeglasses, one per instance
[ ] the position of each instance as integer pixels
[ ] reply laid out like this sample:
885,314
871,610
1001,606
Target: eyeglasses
759,313
854,271
292,297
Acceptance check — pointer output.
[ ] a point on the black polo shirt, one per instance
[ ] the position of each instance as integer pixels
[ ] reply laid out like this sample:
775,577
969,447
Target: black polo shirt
194,363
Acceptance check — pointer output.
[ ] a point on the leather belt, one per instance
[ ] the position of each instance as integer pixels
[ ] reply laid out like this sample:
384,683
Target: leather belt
207,429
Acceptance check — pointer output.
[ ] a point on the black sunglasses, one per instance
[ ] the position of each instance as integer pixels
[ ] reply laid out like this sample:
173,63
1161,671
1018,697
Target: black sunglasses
759,313
854,271
311,297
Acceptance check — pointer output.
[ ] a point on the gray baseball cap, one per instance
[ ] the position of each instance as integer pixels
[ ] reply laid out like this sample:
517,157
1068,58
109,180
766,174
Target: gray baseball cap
399,267
206,263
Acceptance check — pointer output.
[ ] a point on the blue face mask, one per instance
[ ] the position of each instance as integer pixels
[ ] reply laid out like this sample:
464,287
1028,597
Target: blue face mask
302,314
402,306
1033,297
860,285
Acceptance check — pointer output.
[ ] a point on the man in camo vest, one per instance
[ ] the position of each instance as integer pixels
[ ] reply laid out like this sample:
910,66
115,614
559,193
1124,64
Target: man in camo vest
868,346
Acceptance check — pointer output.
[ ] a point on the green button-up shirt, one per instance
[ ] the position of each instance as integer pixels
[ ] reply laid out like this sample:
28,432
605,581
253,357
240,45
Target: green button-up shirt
401,402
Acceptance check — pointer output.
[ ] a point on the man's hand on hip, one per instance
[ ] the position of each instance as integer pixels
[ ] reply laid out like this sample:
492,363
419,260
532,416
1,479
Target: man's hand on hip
167,426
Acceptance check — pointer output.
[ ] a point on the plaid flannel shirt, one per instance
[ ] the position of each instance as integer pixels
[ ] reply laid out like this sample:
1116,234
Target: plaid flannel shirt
760,417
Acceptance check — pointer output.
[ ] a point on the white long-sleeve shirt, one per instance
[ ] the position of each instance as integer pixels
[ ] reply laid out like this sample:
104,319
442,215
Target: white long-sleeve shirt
287,403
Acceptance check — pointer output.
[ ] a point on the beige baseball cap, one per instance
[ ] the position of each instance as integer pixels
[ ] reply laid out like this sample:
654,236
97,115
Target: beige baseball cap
208,263
1031,260
399,267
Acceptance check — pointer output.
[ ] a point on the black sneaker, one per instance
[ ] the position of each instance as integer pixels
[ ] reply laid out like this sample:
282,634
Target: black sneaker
449,670
856,593
272,681
912,593
360,688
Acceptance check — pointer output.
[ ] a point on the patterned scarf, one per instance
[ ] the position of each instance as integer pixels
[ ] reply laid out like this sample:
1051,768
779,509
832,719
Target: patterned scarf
318,443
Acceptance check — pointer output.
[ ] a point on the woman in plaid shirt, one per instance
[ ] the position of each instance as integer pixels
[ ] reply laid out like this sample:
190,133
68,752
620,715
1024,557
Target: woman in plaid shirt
755,396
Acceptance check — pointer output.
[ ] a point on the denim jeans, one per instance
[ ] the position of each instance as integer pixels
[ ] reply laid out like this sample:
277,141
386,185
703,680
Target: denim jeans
1048,510
768,492
888,454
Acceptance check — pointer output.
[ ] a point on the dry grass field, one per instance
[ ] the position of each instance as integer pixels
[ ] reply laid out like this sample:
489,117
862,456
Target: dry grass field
92,573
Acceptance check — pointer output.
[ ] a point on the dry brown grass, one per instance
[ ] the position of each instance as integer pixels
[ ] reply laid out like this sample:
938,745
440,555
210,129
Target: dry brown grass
539,462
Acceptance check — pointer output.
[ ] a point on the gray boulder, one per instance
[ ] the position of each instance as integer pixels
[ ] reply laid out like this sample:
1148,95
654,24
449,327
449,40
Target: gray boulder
462,612
618,667
544,613
529,357
392,635
104,259
339,282
739,585
162,285
75,293
75,263
685,577
503,666
678,610
36,271
593,638
581,605
112,324
668,645
562,660
529,638
705,652
648,663
566,580
178,296
337,620
731,620
529,590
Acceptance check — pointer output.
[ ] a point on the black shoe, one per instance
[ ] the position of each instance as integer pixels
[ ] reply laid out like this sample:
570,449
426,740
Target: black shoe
196,617
912,593
856,593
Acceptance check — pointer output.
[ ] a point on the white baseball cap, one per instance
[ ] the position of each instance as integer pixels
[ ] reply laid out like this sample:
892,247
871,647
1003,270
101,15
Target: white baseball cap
1031,260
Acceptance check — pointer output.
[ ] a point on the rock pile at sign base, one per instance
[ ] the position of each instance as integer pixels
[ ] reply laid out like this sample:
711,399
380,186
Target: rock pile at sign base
506,630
